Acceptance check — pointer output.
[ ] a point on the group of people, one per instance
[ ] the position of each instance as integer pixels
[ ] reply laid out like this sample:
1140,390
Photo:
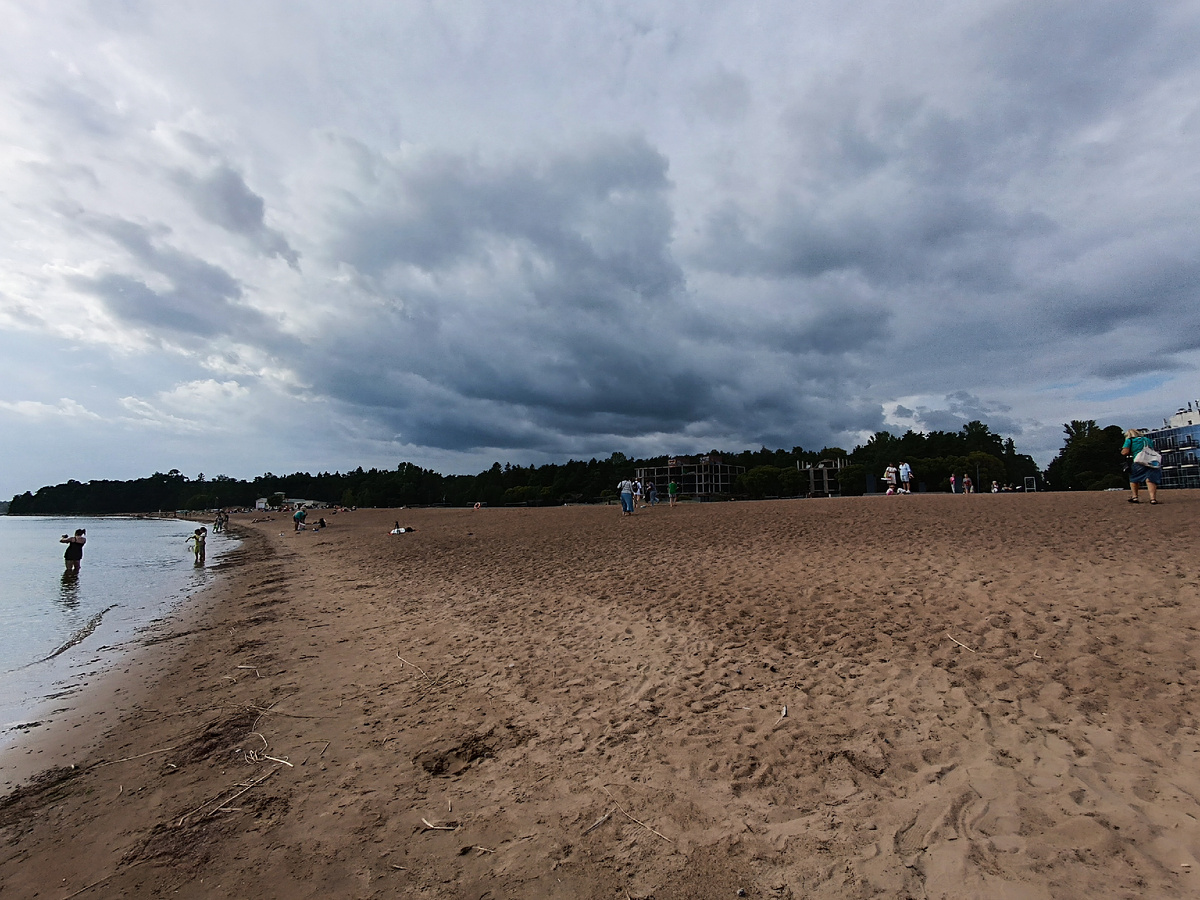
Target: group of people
220,521
300,516
898,478
966,486
899,481
636,495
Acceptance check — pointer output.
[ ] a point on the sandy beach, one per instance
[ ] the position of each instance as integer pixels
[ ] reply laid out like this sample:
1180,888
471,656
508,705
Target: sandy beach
926,696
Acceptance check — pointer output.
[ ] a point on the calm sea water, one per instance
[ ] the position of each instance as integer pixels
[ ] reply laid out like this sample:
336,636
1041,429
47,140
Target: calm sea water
58,633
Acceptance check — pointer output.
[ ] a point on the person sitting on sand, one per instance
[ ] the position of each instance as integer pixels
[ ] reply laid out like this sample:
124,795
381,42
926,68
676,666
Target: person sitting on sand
74,554
198,537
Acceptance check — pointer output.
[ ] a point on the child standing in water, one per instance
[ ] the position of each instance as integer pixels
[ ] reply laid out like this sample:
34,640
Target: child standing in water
199,537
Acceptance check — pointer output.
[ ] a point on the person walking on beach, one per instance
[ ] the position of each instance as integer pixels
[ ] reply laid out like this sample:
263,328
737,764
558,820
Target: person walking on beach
74,555
637,494
952,485
967,486
1139,474
198,537
625,488
672,491
905,478
652,493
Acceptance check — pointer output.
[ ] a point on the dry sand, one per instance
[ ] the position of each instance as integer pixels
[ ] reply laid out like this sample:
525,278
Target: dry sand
989,696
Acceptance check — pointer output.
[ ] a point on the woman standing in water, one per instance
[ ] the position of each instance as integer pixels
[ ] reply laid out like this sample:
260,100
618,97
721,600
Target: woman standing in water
74,554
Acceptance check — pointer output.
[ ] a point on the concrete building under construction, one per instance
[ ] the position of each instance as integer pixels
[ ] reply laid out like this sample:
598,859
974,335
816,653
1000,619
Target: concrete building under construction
709,476
697,476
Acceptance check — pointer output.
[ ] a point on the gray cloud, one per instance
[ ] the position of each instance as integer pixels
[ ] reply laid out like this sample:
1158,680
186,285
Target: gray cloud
222,197
724,96
202,300
595,222
962,407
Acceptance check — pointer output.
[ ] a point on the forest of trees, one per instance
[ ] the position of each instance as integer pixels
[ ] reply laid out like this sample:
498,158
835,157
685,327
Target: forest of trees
934,456
1090,460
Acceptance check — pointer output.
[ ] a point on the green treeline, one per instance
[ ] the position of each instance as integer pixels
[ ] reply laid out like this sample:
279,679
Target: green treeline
934,456
1089,460
406,485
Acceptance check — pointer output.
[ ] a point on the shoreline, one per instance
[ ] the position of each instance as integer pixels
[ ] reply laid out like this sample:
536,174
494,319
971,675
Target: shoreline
61,733
988,695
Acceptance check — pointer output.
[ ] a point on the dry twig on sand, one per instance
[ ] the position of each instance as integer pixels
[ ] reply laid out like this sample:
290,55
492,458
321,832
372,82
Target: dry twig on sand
960,643
414,665
111,762
323,749
632,819
449,826
227,800
88,887
271,710
600,821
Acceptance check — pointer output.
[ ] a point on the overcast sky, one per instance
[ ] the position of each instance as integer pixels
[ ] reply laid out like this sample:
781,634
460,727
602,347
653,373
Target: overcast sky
239,237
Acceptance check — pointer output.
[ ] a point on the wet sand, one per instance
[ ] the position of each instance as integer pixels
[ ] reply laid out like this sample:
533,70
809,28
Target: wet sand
989,696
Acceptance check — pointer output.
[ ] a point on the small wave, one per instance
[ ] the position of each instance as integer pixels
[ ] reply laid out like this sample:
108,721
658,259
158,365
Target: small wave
92,624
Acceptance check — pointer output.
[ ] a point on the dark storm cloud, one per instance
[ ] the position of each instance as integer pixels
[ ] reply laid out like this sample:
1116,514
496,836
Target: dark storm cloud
913,222
1126,367
202,299
1153,285
596,221
223,198
538,305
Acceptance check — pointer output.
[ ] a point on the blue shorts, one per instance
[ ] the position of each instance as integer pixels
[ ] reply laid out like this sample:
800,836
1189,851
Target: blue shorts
1140,474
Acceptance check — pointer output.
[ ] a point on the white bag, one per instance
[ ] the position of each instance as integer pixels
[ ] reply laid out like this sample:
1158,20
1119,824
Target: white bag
1148,457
